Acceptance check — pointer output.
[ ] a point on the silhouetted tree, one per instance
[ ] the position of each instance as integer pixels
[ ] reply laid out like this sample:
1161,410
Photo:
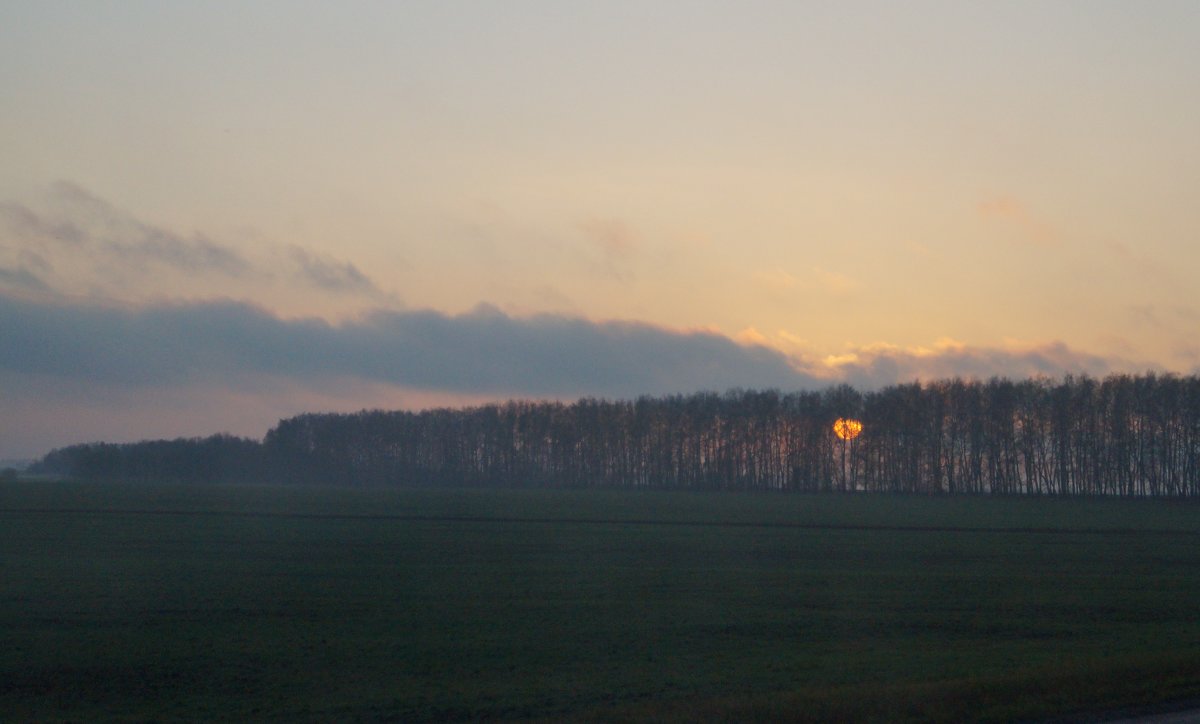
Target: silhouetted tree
1124,436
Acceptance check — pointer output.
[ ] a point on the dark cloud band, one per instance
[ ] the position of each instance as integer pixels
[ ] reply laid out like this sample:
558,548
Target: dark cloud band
485,351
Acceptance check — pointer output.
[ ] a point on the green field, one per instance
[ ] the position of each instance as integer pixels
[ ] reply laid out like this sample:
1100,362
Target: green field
169,603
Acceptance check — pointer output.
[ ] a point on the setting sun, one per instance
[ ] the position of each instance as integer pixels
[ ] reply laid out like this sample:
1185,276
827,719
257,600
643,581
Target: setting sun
847,429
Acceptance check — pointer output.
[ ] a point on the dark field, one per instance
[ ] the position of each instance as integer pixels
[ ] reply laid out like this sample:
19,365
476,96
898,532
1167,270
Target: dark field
320,604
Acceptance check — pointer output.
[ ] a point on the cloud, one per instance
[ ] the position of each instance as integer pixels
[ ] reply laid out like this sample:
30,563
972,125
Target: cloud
84,243
22,222
198,254
484,351
1189,314
1174,324
1003,207
329,273
1009,211
795,347
615,242
752,337
91,244
918,249
1139,263
819,280
775,280
1189,352
83,219
202,367
835,282
884,364
613,236
1145,315
21,278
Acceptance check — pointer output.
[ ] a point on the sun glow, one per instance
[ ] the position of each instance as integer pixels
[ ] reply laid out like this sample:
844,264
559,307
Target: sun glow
847,429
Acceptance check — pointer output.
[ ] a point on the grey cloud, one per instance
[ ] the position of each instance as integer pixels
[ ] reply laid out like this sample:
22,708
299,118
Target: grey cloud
610,247
1188,314
73,193
87,222
114,243
22,278
25,223
878,368
1187,351
326,273
197,254
1179,318
484,351
35,260
613,236
135,240
1145,314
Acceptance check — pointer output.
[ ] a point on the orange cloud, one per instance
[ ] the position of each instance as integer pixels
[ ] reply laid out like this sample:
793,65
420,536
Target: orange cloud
615,241
776,280
751,336
612,236
836,282
882,363
1004,207
1007,210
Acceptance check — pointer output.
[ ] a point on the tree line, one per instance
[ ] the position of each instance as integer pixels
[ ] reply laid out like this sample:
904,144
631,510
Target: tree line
1124,435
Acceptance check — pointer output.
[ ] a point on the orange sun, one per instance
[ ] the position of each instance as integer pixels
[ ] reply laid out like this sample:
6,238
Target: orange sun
846,428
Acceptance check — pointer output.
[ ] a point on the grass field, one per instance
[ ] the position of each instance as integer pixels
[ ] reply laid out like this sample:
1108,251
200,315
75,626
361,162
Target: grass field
169,603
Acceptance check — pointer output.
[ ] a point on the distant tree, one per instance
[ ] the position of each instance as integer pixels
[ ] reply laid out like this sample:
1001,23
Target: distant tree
1127,436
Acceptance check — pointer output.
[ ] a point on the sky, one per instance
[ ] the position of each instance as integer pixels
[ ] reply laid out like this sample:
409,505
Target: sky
214,215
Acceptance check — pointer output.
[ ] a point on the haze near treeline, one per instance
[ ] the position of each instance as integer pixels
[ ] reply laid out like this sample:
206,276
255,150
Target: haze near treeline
1124,436
216,216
